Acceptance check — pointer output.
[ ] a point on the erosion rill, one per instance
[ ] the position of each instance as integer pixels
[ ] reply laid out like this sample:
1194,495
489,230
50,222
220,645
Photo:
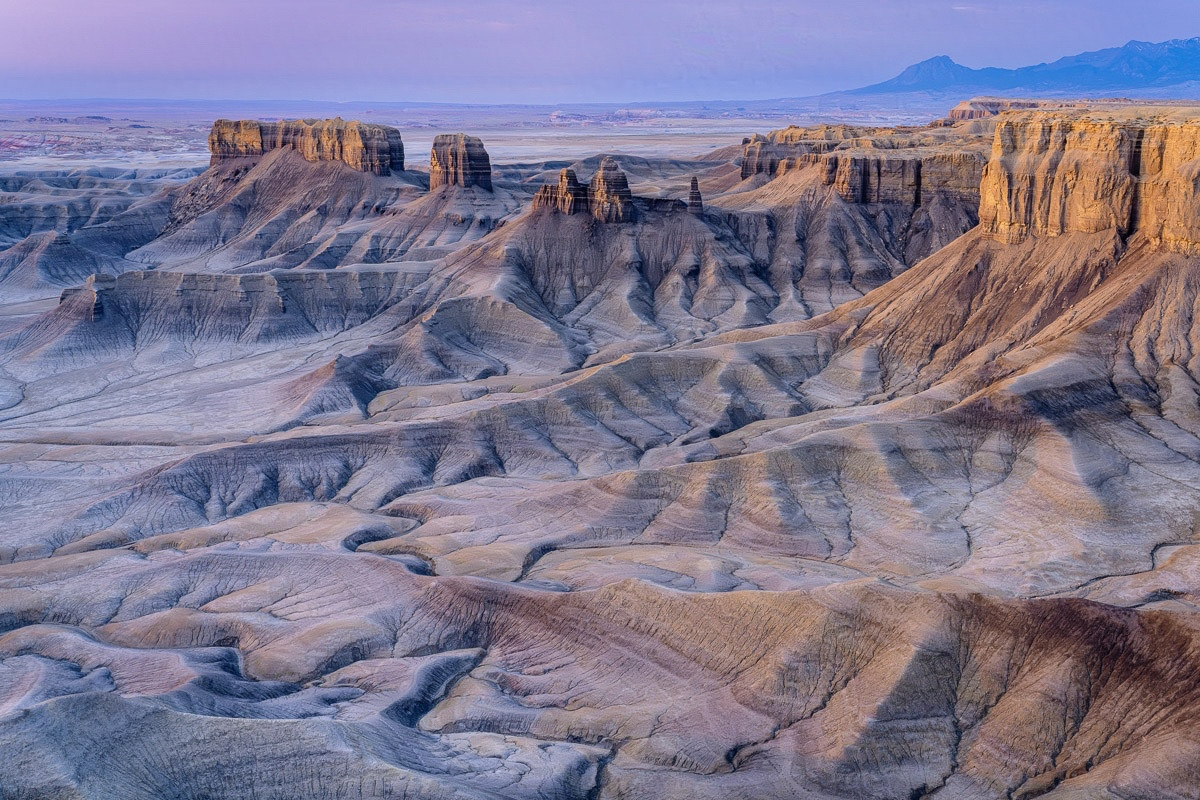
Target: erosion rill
872,473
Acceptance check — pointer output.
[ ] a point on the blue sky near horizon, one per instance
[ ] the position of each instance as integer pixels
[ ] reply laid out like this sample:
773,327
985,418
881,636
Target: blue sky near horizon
537,51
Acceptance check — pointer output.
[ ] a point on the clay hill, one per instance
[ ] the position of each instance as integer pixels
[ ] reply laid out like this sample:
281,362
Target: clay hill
844,462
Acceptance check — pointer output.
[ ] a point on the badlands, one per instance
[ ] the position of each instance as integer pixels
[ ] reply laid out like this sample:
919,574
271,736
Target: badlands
843,462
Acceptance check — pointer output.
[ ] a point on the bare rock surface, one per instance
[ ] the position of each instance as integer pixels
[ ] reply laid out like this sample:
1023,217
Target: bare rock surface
695,199
985,107
378,149
867,468
459,160
607,198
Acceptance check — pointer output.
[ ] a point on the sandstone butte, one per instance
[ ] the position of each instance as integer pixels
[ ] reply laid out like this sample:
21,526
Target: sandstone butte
459,160
369,148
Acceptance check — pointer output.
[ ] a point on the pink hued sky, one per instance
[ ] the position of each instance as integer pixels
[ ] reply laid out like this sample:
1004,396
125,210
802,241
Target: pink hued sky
537,51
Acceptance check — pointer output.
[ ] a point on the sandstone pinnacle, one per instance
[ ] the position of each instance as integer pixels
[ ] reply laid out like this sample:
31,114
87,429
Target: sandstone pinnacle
607,197
695,201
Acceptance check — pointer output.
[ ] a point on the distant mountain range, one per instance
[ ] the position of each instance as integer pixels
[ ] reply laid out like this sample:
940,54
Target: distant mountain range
1138,68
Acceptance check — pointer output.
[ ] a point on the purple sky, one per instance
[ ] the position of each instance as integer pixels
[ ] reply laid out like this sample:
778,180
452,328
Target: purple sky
544,51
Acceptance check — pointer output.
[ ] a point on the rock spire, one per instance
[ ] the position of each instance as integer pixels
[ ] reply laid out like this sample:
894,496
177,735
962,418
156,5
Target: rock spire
695,201
607,197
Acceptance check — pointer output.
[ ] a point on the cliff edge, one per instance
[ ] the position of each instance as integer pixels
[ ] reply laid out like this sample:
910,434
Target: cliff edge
1052,176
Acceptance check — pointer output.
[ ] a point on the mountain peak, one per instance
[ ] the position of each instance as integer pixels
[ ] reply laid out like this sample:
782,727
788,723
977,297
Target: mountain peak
1134,66
939,69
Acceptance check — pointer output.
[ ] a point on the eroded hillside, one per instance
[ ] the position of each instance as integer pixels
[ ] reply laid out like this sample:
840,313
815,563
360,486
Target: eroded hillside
850,462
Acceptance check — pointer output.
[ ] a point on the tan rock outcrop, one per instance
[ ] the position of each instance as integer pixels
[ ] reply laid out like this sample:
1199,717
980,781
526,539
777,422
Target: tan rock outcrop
568,196
870,179
953,173
785,148
1054,176
459,160
904,166
1168,165
759,156
866,177
365,147
609,194
607,197
985,107
1051,176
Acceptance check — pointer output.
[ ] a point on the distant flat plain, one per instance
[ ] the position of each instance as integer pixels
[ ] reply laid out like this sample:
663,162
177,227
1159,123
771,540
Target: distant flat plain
40,134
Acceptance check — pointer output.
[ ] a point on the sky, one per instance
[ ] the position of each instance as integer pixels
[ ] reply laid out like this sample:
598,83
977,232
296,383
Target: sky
536,51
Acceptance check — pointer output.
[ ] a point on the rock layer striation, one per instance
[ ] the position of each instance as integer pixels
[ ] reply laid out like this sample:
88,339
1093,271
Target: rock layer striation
695,200
1053,176
874,166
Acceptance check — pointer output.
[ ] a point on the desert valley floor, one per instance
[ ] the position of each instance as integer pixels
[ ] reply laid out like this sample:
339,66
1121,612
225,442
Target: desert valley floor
835,462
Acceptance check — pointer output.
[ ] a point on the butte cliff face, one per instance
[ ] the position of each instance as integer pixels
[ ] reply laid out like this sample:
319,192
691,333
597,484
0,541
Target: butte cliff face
1053,177
874,166
459,160
377,149
763,154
